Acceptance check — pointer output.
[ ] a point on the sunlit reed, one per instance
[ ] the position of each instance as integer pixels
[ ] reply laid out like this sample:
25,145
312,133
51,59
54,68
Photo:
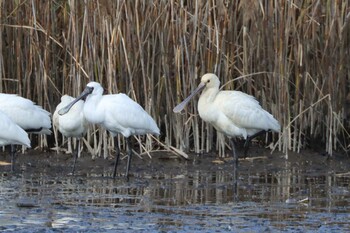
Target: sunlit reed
291,55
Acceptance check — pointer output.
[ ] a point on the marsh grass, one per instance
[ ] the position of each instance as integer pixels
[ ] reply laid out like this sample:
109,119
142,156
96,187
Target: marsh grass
291,55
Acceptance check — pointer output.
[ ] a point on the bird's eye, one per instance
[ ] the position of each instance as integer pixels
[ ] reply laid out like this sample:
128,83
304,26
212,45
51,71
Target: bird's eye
208,81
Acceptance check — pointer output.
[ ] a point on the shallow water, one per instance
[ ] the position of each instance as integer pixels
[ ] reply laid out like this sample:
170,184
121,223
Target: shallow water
305,193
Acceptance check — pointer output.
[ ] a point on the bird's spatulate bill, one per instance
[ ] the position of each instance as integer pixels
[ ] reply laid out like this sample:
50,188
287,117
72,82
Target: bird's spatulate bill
66,109
183,104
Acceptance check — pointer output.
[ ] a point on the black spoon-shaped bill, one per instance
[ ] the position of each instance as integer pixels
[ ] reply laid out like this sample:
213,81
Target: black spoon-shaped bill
86,92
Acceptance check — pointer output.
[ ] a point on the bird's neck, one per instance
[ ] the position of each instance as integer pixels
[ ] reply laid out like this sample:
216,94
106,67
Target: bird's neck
90,109
208,95
205,104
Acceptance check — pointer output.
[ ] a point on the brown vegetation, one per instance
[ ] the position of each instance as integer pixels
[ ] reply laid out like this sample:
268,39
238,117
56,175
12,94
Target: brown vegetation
291,55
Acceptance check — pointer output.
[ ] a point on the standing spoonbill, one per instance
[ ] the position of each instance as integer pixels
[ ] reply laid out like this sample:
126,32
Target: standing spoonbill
12,134
30,117
232,113
118,114
72,124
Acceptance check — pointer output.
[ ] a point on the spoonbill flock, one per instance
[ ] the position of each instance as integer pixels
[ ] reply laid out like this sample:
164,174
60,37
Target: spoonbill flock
233,113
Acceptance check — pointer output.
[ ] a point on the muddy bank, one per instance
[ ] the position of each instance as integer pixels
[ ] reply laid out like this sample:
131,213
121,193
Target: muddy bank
165,193
60,164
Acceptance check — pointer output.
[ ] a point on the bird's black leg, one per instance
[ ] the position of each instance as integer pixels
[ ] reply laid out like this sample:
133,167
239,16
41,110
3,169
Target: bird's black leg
249,139
76,152
234,154
235,171
13,157
116,157
129,158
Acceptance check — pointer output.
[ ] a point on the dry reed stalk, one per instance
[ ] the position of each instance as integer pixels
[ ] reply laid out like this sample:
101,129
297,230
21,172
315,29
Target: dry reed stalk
289,59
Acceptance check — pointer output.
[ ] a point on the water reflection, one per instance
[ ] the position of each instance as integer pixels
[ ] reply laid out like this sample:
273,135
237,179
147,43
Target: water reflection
291,196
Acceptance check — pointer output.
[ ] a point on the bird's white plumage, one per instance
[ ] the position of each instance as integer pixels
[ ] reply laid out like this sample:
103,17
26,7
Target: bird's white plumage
11,133
233,113
25,113
117,113
72,124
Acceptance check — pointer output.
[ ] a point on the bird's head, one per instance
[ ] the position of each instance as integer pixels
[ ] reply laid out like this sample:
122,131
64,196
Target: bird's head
92,88
208,80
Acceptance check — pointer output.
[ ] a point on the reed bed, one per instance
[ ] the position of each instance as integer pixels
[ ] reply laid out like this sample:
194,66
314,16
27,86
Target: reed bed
291,55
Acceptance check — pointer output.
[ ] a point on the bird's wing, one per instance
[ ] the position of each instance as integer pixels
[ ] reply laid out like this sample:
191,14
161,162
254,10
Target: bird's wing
244,110
122,111
24,112
11,133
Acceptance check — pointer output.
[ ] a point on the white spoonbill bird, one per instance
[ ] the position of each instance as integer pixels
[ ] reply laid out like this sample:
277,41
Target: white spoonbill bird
25,113
118,114
73,124
30,117
232,113
12,134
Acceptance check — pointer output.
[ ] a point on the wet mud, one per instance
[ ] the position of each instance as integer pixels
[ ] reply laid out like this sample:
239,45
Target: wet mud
303,193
